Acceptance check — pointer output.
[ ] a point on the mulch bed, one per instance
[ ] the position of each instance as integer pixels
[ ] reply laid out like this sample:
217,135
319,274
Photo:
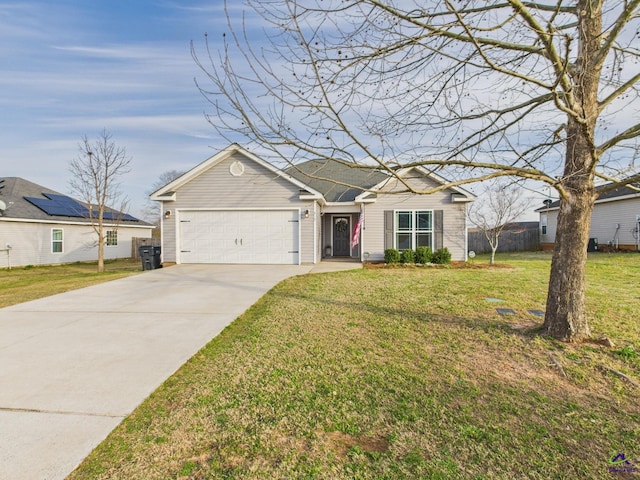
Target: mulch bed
456,265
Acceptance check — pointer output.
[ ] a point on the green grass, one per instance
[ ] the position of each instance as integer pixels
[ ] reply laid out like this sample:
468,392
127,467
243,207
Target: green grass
398,373
21,284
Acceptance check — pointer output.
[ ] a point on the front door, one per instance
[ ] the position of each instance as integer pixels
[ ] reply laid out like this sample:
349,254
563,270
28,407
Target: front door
341,236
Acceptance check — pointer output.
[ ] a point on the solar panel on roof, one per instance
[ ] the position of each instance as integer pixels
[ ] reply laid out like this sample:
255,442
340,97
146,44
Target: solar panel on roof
72,207
61,205
61,199
47,206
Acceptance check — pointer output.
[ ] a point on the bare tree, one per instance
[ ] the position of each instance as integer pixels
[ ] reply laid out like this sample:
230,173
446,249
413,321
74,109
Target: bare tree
151,210
95,179
501,205
545,90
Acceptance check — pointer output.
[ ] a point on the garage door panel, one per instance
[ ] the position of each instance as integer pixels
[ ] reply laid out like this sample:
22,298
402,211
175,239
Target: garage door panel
267,237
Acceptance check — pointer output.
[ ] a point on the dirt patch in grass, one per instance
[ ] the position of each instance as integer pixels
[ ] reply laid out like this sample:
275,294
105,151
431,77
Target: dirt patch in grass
342,443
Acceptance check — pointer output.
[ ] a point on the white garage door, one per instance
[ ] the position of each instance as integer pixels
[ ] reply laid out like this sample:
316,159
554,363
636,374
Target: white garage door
260,236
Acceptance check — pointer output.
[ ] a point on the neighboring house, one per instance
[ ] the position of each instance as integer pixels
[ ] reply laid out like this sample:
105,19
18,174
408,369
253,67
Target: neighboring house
615,221
237,208
39,226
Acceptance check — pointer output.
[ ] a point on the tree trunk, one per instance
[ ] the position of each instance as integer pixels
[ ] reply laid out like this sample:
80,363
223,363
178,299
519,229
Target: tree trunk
565,318
100,247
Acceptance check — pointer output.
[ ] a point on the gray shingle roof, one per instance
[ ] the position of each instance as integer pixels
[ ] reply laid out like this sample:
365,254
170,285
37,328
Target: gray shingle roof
16,188
321,175
608,195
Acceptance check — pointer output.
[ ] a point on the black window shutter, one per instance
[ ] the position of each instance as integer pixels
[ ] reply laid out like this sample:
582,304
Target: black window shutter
388,229
438,229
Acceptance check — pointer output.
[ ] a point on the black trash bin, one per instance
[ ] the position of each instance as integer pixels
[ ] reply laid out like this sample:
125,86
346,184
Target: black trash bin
156,257
593,245
150,257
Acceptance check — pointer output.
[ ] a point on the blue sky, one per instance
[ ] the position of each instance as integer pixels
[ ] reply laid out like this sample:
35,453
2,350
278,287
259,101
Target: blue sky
74,68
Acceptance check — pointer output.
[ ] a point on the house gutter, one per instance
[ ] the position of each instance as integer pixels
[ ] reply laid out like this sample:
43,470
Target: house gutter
67,222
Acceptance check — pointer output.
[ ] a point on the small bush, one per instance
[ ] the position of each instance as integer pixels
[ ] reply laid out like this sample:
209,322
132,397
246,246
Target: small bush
407,256
423,255
441,256
391,255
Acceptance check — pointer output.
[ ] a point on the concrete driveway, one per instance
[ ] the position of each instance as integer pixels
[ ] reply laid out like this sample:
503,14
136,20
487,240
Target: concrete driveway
74,365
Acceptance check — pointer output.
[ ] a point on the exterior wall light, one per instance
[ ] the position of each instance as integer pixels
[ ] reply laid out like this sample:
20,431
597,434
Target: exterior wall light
167,214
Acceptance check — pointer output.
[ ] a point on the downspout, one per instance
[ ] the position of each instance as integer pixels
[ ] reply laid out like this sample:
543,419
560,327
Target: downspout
466,232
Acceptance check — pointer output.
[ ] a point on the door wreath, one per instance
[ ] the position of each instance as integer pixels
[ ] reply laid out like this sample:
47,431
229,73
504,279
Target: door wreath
341,225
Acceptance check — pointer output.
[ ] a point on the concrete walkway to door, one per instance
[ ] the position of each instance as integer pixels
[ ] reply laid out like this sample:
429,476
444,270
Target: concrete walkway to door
74,365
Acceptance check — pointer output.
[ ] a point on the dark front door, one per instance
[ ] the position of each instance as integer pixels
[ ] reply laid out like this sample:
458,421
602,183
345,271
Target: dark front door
341,237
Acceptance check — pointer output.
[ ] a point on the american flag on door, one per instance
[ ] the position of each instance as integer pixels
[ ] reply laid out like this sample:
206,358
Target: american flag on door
356,232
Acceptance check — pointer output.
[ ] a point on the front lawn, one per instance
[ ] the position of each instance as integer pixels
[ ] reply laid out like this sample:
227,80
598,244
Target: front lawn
399,373
21,284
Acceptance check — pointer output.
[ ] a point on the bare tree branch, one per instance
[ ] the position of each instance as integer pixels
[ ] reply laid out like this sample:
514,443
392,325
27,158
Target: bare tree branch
95,177
472,90
501,205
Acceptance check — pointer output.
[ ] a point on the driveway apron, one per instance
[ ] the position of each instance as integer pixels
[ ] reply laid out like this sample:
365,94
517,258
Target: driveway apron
74,365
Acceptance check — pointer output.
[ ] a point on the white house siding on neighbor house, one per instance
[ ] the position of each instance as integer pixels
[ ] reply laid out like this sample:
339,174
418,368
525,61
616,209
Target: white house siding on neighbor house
31,242
454,216
615,223
606,217
548,223
257,189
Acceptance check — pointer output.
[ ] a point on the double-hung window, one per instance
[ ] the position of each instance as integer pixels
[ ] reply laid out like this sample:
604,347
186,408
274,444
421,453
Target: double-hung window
57,240
413,228
112,238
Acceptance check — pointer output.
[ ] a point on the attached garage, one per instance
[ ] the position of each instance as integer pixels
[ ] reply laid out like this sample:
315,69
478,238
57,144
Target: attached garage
236,208
239,236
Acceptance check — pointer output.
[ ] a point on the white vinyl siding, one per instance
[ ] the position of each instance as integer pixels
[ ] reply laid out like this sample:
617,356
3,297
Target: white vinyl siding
615,222
551,221
453,216
32,243
612,222
256,189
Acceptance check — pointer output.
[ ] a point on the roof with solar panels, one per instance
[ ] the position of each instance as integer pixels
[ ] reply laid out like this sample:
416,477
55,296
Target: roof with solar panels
22,199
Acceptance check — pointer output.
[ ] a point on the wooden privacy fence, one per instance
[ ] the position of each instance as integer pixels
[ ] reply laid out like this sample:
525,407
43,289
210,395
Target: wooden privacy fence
510,241
137,242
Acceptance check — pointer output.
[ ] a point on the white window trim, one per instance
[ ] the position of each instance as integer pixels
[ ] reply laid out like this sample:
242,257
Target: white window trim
61,242
414,224
106,238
